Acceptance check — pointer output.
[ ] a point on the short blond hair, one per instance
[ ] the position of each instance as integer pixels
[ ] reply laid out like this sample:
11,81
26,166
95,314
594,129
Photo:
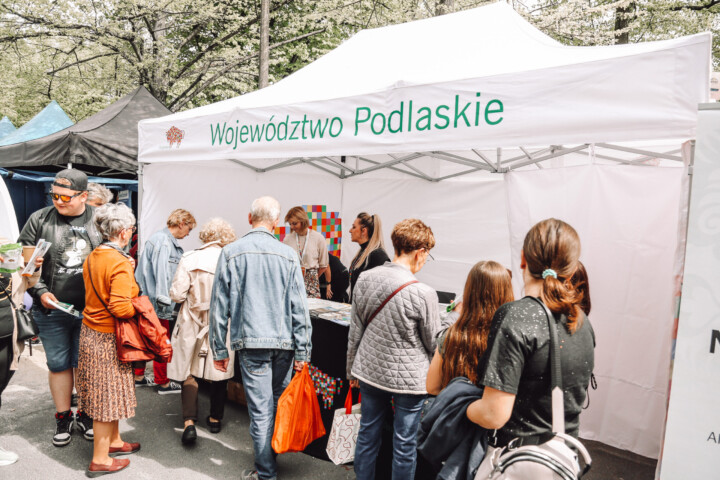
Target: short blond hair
179,216
217,230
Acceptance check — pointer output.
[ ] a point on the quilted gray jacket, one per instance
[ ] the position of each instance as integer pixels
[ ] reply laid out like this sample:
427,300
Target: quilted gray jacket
393,353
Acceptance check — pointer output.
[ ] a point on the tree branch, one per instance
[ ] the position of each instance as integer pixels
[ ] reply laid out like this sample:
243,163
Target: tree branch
697,8
179,104
51,72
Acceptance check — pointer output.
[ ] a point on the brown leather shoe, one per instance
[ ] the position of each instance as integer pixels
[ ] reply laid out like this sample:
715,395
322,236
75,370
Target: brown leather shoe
95,470
126,449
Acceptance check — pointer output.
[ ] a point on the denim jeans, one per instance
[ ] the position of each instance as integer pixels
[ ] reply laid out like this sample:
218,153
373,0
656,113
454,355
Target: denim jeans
60,336
407,420
265,374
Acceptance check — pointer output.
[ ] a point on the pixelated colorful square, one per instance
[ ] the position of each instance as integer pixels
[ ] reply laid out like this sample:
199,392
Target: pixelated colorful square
329,224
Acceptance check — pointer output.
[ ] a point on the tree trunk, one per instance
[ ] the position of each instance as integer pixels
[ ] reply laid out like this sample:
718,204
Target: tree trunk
264,43
624,15
444,6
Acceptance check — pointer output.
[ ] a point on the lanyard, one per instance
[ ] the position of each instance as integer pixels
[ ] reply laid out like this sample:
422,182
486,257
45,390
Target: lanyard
297,240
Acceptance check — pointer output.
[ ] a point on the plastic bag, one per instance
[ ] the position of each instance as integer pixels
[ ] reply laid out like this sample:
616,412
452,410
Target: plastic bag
344,432
298,420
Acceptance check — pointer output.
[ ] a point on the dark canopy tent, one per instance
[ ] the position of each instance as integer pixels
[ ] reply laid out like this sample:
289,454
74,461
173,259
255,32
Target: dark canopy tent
104,144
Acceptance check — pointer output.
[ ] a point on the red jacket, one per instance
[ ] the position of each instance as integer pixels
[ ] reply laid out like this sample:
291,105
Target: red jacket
142,337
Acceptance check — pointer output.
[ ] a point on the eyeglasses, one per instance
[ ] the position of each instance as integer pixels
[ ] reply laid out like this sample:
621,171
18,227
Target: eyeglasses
63,198
132,229
429,254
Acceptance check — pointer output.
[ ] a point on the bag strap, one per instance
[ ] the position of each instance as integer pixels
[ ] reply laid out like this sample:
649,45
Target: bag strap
387,300
556,391
95,289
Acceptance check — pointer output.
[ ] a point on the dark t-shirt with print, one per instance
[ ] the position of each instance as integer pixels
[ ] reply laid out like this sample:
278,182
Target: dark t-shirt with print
71,252
517,362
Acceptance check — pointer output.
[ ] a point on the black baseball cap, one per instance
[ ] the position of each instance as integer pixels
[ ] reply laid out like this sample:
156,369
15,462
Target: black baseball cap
78,180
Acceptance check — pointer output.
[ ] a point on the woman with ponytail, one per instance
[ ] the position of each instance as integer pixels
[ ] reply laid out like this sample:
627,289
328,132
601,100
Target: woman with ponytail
367,231
515,369
460,347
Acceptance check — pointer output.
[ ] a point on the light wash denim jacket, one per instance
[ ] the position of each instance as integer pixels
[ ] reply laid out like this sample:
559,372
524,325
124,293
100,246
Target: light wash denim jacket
156,269
259,289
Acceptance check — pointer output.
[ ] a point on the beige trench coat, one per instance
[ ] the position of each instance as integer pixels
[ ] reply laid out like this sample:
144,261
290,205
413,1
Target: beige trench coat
192,287
19,285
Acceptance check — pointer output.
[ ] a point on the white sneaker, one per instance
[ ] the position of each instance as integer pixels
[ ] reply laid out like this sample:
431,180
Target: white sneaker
7,458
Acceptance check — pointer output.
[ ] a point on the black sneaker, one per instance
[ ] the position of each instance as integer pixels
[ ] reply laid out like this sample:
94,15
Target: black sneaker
63,428
145,382
85,425
172,387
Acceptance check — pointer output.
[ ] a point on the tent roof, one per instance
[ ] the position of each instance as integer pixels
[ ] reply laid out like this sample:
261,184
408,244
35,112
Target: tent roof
104,141
50,119
522,87
6,127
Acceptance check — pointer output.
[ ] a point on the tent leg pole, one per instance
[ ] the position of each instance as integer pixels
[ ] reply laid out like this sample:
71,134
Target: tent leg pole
140,199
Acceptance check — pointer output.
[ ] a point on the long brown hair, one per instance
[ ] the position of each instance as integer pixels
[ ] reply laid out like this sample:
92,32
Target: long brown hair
554,245
487,287
581,284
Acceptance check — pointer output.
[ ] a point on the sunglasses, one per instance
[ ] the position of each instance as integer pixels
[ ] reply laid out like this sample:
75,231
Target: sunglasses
63,198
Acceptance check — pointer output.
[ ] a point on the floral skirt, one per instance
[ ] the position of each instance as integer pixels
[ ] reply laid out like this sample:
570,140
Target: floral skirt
105,385
312,283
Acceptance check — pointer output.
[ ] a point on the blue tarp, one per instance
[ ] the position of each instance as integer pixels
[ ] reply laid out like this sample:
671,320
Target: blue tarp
29,190
6,127
50,120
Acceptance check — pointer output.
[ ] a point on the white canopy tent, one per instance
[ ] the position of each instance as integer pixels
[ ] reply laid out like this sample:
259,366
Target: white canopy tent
415,119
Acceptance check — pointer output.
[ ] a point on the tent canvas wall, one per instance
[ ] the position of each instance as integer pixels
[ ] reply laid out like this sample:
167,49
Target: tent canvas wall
370,134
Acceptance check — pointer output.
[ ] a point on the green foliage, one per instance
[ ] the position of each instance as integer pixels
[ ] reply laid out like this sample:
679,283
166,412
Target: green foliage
86,54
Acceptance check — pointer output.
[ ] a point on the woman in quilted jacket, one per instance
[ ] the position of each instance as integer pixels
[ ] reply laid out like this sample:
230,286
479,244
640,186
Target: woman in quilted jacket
391,342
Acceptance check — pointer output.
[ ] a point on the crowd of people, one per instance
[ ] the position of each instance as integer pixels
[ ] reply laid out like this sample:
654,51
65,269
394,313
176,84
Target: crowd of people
247,297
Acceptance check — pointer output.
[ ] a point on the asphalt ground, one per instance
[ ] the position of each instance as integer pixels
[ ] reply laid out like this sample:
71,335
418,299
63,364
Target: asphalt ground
27,425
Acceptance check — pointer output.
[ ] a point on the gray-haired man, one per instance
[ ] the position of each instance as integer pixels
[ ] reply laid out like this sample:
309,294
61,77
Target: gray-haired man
260,290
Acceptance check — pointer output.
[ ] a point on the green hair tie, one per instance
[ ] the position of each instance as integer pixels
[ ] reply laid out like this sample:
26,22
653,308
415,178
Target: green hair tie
549,272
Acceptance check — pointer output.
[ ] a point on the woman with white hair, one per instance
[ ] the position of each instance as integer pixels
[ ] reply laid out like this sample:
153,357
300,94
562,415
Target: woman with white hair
98,195
192,358
105,385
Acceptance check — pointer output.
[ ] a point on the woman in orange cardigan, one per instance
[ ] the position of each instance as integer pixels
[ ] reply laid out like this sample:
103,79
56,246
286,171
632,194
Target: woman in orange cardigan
106,385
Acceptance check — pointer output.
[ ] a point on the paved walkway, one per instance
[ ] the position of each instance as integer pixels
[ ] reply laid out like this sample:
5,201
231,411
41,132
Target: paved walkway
27,425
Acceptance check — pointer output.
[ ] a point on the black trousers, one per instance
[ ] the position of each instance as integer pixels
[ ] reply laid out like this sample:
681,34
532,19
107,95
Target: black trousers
189,394
6,355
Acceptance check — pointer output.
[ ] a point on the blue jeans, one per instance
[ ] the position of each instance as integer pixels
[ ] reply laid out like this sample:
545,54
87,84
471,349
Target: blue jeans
407,420
60,336
265,374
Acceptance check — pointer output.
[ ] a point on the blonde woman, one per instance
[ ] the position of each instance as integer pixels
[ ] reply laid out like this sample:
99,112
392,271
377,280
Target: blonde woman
311,248
367,231
192,358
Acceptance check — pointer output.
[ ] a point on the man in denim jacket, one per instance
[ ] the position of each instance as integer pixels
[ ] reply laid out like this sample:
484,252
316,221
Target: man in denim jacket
155,271
259,290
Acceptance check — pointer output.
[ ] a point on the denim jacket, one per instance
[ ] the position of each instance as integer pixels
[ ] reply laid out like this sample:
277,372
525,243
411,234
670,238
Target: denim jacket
259,290
156,269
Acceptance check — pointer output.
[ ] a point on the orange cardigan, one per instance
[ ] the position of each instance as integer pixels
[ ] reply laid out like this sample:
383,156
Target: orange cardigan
113,277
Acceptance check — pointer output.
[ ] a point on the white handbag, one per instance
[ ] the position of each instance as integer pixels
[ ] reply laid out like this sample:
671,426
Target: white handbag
550,460
344,432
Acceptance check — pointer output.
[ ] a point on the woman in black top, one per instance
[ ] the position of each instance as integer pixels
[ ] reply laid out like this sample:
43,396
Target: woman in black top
367,231
515,368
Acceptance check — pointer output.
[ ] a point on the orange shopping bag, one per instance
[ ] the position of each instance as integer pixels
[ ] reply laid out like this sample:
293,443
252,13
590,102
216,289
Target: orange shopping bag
298,420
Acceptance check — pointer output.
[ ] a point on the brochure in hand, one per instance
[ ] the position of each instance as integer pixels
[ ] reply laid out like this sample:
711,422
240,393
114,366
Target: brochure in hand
65,307
40,250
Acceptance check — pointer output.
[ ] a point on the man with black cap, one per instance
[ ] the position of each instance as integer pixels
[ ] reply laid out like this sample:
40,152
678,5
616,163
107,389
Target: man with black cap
68,225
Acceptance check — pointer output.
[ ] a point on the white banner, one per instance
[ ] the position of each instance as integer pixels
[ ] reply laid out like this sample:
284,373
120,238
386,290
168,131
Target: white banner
692,435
